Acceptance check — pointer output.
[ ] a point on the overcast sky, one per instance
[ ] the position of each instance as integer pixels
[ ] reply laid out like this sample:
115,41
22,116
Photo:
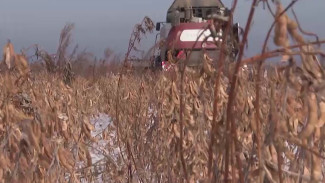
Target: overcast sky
101,24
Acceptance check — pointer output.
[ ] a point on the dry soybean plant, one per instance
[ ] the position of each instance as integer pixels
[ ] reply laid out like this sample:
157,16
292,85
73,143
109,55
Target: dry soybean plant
224,124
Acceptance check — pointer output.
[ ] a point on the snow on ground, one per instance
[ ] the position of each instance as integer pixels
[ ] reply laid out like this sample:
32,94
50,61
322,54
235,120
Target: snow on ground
101,122
102,149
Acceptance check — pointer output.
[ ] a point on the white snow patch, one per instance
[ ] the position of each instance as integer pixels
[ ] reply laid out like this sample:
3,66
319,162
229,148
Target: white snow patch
99,150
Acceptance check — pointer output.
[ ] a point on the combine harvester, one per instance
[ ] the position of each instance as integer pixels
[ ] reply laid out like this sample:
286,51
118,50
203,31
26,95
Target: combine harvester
187,30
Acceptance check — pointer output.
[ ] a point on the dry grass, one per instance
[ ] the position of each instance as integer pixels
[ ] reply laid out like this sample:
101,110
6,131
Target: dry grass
162,123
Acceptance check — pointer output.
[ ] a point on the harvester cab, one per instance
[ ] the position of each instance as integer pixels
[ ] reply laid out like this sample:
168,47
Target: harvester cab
186,33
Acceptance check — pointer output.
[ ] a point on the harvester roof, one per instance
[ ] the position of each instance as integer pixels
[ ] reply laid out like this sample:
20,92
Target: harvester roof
199,5
195,3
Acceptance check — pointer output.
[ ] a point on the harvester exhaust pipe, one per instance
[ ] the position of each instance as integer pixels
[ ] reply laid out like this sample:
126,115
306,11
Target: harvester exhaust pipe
188,14
177,18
